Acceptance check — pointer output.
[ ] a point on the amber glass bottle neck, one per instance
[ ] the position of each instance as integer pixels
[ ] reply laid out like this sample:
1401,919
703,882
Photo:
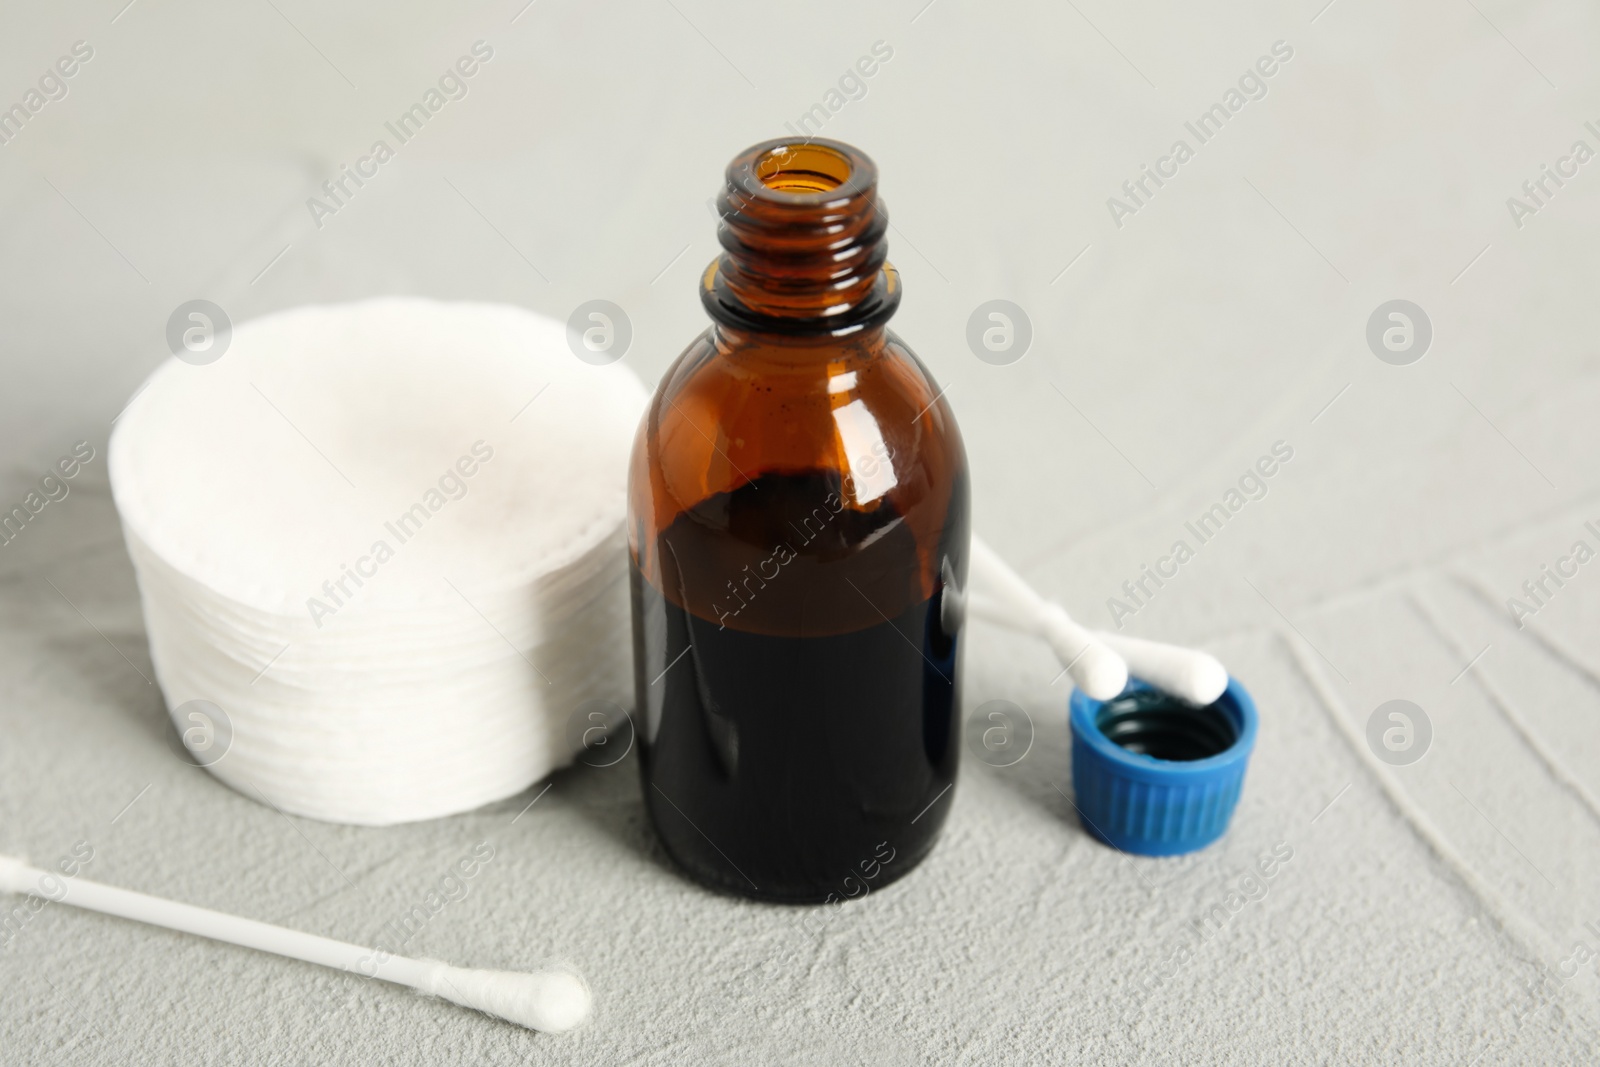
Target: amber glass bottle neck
776,346
803,237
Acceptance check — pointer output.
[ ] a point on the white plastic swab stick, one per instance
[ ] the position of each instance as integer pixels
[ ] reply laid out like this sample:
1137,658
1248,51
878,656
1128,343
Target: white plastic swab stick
998,593
552,1001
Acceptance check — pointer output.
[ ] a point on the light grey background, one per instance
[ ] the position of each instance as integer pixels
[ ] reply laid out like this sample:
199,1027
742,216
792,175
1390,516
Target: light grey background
1429,913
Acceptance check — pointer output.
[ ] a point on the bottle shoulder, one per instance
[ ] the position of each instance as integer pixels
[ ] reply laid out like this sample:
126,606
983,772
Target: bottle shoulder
862,427
872,411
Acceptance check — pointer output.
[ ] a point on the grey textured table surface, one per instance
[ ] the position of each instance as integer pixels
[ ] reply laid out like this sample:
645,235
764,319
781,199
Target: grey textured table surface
1440,912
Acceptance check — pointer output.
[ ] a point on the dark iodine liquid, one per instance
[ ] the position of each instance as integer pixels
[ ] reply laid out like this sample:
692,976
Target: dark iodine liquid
799,723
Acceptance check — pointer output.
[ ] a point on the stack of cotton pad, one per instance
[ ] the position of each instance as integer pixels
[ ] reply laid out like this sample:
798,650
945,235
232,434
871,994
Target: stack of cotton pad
385,539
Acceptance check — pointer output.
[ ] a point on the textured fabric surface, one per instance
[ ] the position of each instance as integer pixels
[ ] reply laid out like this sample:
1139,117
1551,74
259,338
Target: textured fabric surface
1441,912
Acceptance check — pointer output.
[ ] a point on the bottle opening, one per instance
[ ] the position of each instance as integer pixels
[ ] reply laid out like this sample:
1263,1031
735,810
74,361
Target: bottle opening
803,237
1151,723
803,169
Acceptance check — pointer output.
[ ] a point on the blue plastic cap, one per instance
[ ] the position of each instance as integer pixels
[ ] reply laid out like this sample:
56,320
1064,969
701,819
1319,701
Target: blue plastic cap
1135,801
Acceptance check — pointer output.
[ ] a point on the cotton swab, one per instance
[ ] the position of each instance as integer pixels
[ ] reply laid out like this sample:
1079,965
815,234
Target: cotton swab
998,593
1098,661
552,1000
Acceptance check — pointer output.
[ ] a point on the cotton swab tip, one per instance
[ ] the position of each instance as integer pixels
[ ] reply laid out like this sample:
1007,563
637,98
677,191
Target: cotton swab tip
13,874
1206,679
1186,673
1096,669
1101,673
553,1001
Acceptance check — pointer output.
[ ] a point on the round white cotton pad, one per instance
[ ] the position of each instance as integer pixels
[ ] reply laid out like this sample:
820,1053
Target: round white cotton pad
326,429
385,539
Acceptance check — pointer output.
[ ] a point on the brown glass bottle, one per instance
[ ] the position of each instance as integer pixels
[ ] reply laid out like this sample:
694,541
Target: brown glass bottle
798,526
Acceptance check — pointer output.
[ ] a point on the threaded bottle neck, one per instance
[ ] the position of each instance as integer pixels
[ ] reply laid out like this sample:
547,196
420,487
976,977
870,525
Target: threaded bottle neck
803,238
